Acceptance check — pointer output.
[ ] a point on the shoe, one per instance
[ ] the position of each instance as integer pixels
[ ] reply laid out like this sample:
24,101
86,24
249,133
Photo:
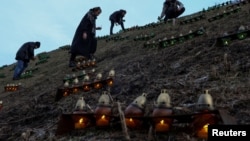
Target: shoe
72,64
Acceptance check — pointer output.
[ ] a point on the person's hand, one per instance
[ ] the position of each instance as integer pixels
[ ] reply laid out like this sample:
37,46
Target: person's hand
84,35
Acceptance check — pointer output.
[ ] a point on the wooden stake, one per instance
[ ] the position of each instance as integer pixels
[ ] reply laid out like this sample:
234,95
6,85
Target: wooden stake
123,123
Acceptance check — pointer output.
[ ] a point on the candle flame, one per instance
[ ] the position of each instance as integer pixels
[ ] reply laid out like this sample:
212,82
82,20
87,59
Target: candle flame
81,120
103,117
162,121
205,127
130,119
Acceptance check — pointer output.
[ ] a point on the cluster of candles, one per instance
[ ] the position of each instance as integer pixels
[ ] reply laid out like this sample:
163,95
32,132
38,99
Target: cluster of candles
82,64
12,87
165,42
241,34
161,119
86,85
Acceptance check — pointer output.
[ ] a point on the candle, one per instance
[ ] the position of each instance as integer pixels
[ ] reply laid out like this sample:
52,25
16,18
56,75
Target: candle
203,132
66,92
162,126
130,122
80,124
97,85
110,82
86,87
75,89
102,121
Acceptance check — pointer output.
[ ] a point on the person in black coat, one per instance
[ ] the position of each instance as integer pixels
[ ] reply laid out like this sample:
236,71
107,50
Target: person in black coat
23,57
117,17
84,42
171,9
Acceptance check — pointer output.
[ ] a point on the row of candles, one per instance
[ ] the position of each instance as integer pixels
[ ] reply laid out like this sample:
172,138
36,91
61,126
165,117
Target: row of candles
161,119
116,38
144,37
222,15
241,34
84,64
192,19
165,42
86,85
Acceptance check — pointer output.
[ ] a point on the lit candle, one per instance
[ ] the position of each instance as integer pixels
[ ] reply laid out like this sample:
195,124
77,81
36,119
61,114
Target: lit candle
75,89
80,124
97,85
66,92
203,132
161,126
110,82
86,87
130,122
102,121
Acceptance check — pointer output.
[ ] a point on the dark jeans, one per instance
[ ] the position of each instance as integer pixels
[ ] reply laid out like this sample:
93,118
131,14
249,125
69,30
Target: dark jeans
20,67
112,26
172,13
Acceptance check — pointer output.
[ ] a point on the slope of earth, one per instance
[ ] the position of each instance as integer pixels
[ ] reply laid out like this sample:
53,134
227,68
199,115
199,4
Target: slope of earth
185,70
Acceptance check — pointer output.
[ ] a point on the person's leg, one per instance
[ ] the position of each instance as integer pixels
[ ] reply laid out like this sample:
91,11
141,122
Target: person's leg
179,12
18,69
111,27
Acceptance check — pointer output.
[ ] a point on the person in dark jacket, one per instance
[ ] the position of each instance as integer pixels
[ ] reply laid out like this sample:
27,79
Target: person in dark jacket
117,17
84,42
23,57
171,9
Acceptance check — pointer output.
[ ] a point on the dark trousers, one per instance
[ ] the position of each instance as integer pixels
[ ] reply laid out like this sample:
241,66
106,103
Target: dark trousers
172,13
112,26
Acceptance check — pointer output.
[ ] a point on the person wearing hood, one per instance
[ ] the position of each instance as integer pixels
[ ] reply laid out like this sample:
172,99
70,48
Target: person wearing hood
84,42
23,57
117,18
